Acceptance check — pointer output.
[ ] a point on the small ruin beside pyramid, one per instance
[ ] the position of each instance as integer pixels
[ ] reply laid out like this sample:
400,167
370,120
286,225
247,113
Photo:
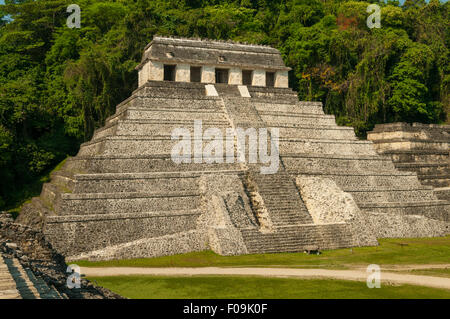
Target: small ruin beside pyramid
123,195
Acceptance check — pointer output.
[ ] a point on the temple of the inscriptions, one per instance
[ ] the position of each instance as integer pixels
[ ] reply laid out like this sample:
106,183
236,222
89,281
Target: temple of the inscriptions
124,196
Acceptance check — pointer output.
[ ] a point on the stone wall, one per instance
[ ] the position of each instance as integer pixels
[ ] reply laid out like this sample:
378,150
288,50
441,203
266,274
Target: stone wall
327,203
226,209
398,226
76,234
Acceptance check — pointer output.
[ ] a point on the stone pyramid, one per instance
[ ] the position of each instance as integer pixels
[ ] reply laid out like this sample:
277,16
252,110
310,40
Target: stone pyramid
123,196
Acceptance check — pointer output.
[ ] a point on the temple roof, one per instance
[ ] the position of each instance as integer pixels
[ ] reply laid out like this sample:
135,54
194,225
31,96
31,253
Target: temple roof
212,52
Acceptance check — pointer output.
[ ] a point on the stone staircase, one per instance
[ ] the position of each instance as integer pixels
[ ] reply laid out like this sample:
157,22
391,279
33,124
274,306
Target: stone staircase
17,282
294,238
8,288
282,199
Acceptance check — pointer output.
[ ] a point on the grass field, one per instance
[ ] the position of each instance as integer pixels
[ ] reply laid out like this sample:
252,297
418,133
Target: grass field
390,251
211,287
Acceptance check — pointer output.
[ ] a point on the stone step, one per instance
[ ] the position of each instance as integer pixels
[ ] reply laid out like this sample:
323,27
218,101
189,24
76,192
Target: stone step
23,286
371,179
141,182
167,89
353,173
422,156
294,113
314,161
140,164
436,209
310,132
409,127
119,202
10,294
141,128
297,237
442,180
406,134
285,238
436,134
281,211
272,94
274,119
226,90
411,144
169,102
163,114
137,145
322,146
167,114
425,168
276,195
41,286
7,284
442,193
392,195
300,107
63,179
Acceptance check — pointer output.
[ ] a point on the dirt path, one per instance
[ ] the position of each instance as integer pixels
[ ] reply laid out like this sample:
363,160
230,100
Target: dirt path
416,266
359,275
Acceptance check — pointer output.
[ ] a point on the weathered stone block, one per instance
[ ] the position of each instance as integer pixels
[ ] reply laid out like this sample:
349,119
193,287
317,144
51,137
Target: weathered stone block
259,78
327,203
155,70
281,79
208,74
183,73
235,76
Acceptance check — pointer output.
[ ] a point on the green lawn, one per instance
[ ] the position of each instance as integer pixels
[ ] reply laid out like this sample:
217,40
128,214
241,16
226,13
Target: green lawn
211,287
390,251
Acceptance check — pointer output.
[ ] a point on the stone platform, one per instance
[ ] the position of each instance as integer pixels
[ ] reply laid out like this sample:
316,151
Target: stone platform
420,148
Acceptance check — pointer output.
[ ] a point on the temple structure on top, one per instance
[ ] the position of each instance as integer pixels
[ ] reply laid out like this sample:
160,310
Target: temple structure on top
192,60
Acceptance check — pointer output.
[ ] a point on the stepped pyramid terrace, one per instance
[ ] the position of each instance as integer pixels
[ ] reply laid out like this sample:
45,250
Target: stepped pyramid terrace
124,196
420,148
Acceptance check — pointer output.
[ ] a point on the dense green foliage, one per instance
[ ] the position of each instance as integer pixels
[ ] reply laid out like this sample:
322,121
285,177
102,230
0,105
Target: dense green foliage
58,84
